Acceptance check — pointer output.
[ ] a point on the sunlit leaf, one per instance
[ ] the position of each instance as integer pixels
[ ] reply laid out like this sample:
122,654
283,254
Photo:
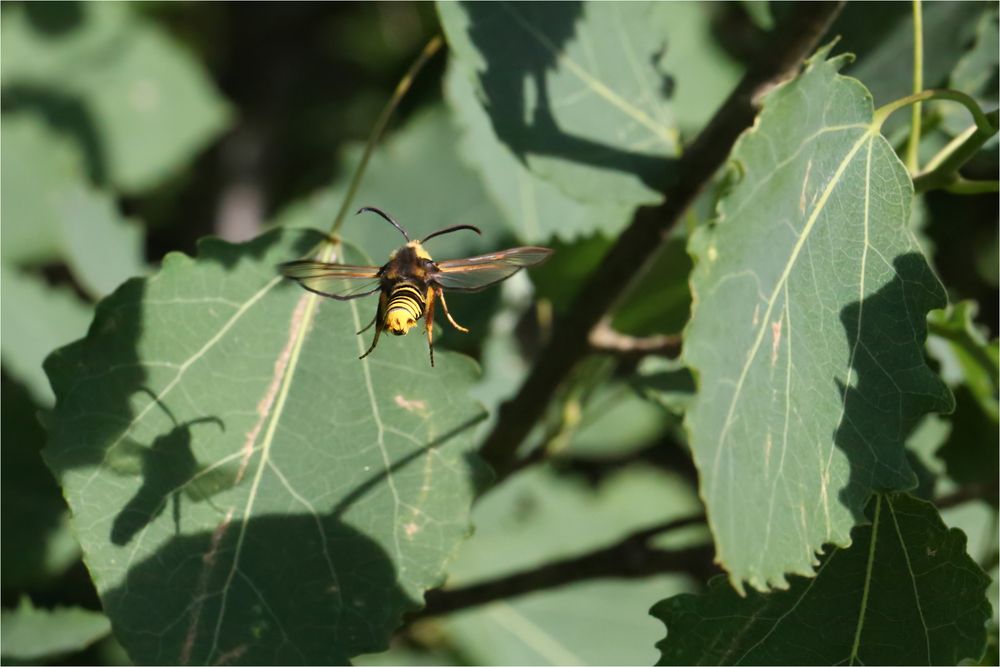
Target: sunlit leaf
590,95
759,12
37,319
535,518
134,101
226,455
102,248
976,73
905,592
34,634
807,332
40,169
535,209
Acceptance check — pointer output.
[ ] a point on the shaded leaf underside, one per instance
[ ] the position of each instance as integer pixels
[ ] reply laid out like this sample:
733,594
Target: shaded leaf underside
226,455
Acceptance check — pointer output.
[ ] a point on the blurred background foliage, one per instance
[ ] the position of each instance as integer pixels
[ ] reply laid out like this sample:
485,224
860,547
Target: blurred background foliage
132,130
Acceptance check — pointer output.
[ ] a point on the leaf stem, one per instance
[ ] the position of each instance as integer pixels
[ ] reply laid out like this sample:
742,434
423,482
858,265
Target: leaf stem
942,170
982,120
962,186
912,152
432,47
794,40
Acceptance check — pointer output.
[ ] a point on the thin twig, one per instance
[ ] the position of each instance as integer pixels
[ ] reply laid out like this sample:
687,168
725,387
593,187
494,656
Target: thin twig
913,149
968,493
432,47
631,558
630,255
605,339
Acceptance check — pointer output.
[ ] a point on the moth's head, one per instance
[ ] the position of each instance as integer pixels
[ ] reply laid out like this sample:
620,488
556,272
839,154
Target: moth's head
398,322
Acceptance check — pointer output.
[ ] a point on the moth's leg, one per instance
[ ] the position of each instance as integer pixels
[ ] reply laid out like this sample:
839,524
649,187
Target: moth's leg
429,322
379,322
444,304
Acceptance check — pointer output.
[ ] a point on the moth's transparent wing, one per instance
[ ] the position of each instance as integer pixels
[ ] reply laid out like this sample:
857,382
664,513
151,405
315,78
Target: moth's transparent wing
475,273
337,281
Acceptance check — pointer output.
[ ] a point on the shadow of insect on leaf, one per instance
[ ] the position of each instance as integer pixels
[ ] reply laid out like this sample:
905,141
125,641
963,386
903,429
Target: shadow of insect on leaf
169,468
285,589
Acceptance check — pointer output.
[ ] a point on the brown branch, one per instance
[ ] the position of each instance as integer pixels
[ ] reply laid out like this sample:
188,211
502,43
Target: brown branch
605,339
794,40
630,558
969,493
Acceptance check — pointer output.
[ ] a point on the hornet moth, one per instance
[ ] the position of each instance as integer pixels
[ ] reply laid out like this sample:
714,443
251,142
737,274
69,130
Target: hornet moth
410,283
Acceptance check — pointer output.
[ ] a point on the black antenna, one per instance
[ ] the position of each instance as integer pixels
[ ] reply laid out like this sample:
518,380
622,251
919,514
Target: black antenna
448,230
387,217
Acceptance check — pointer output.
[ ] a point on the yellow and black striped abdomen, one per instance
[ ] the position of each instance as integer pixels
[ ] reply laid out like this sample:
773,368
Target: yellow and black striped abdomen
404,308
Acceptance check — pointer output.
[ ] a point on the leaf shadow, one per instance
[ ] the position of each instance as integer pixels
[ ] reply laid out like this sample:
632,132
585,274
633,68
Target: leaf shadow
54,18
894,386
284,589
516,89
67,115
476,469
308,589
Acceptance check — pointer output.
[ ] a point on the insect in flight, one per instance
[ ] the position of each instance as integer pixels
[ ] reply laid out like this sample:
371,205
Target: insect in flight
410,283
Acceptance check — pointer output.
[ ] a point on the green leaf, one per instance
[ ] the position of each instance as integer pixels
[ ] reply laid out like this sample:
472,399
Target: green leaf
40,318
35,518
976,72
659,302
616,421
965,354
590,96
560,278
535,209
403,654
969,363
39,170
807,332
882,37
245,490
36,634
590,623
970,452
906,592
535,518
137,103
666,382
102,248
759,12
